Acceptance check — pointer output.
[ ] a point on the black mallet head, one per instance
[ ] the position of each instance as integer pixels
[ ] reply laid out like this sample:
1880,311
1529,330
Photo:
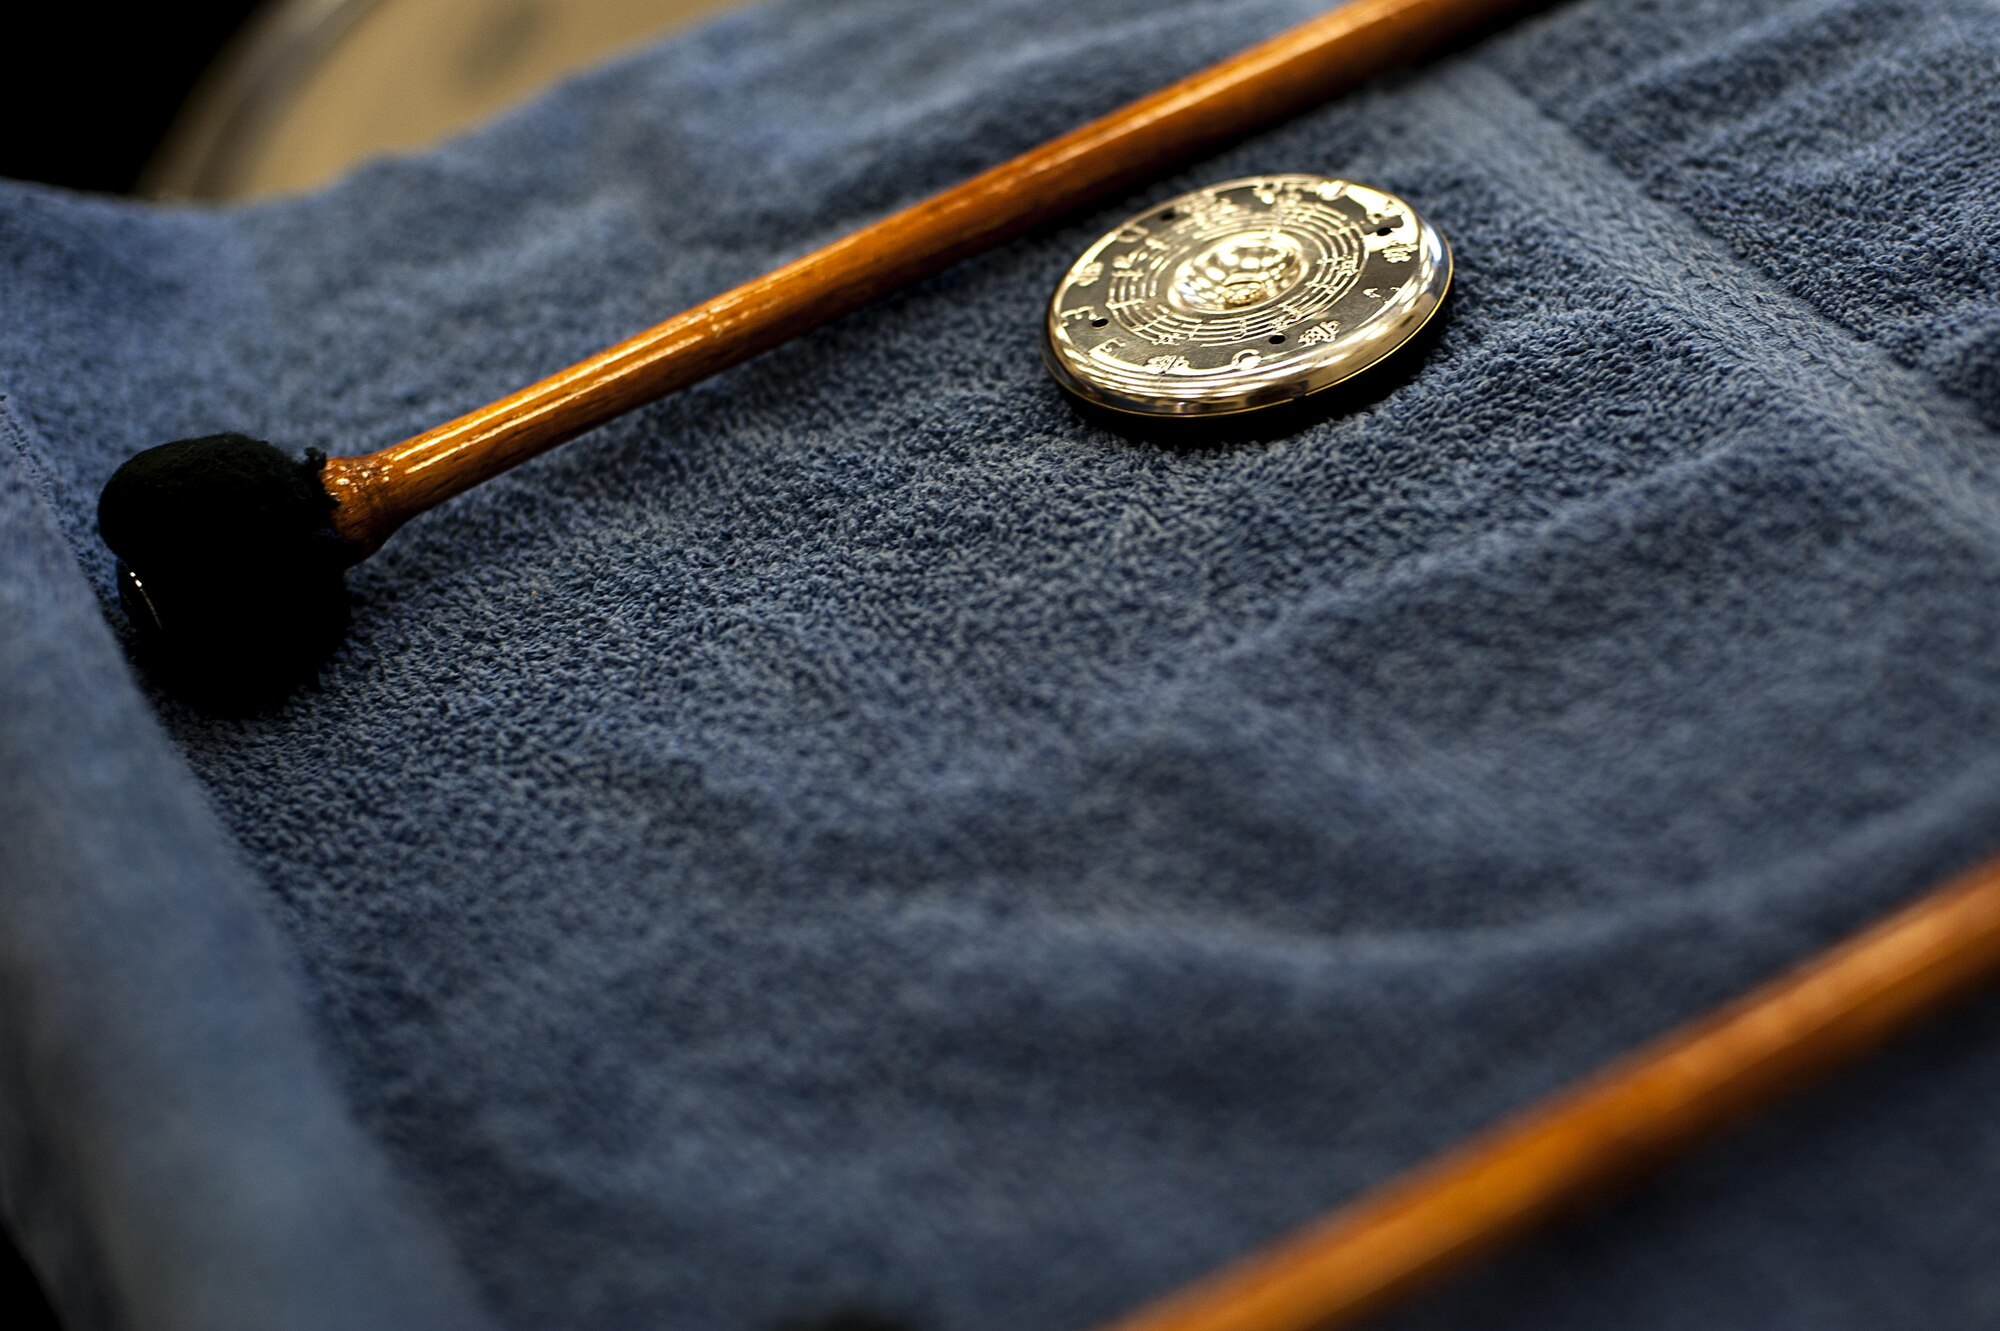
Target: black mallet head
228,563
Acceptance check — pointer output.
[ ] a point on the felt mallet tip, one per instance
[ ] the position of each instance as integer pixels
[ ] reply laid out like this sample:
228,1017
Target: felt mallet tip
228,563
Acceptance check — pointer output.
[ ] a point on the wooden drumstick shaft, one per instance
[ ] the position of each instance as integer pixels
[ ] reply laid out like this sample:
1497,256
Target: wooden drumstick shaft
1275,79
1633,1114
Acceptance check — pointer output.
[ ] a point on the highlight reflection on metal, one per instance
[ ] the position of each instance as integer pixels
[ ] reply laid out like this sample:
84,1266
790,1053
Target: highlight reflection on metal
132,595
1244,295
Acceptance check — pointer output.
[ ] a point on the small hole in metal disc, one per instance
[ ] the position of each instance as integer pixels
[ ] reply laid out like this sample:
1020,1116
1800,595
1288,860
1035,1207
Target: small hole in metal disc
1169,215
1385,228
1099,323
1276,338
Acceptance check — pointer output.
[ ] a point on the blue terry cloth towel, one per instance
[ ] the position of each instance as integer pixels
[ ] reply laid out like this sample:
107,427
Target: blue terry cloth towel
858,834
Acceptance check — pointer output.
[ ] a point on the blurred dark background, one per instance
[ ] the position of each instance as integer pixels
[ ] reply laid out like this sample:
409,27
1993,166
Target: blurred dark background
19,1290
94,115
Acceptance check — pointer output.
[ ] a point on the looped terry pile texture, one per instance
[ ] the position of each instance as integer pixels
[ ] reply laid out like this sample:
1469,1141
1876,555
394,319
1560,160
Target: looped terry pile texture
857,834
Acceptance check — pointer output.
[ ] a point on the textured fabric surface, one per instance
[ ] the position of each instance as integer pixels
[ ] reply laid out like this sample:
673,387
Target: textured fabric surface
857,833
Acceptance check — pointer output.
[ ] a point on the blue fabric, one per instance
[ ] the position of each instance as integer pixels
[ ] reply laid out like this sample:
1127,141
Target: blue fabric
858,833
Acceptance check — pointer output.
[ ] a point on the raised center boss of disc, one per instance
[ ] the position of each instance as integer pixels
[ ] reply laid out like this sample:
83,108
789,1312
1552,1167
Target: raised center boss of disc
1246,294
1238,271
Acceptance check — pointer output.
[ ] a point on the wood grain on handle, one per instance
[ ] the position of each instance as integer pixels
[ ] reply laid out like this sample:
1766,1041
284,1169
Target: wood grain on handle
1267,83
1631,1115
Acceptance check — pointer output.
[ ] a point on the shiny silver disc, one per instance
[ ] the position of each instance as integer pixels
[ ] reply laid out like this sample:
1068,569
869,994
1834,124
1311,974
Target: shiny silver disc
1243,295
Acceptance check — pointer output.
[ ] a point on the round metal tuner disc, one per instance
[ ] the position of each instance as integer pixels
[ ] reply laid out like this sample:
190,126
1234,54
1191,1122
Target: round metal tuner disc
1243,295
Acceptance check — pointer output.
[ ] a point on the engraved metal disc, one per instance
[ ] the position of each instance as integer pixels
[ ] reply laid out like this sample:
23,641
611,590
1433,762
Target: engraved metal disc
1243,295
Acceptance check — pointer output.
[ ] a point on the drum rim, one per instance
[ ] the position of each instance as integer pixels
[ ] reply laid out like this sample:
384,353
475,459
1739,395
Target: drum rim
229,111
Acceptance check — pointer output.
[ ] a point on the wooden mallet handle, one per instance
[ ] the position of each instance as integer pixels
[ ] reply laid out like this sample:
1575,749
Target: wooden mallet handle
1271,81
1636,1113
